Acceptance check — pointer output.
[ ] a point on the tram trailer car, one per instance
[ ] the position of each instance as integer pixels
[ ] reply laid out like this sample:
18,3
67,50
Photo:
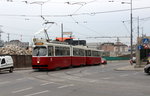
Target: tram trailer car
52,56
78,56
93,57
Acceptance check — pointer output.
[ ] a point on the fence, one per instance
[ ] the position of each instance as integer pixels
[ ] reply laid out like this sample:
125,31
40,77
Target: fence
116,58
21,61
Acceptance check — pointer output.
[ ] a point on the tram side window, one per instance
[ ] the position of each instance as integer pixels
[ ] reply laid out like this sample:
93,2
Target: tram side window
50,51
88,52
81,52
75,52
62,51
67,50
100,53
95,53
78,52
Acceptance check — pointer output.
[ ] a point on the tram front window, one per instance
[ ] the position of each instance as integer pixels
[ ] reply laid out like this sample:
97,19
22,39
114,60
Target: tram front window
40,51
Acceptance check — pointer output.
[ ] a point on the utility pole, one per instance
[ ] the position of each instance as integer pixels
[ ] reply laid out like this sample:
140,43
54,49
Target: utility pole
62,31
131,31
131,27
138,61
8,36
118,46
0,34
138,27
20,37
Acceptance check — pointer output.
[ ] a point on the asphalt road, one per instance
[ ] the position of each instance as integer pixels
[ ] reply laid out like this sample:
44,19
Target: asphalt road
81,81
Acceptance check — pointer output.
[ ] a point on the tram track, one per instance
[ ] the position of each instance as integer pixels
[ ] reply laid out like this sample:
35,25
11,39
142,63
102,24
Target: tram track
63,75
56,74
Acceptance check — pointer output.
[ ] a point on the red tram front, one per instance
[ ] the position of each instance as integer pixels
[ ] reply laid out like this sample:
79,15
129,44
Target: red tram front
51,56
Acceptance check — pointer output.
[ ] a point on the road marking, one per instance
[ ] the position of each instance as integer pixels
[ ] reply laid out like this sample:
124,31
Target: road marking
64,86
37,93
135,73
21,90
31,78
124,75
20,79
115,65
102,66
46,83
5,82
106,78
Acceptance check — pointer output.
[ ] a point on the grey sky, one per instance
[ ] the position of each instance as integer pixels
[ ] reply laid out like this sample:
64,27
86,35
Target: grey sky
21,18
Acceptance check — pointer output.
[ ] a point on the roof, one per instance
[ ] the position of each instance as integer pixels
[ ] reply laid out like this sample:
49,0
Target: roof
64,38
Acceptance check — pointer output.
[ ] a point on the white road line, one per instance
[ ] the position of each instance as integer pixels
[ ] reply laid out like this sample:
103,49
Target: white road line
20,79
21,90
64,86
124,75
135,73
5,82
31,78
46,83
37,93
106,78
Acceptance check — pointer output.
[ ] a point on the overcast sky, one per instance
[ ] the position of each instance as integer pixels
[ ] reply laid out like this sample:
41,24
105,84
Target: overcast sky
85,18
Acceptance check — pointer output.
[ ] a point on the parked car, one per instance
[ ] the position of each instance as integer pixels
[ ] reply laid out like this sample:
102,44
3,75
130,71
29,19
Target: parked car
103,61
147,69
6,62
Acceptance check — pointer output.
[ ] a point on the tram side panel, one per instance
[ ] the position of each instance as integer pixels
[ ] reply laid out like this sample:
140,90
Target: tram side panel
93,57
93,60
89,61
96,60
62,56
78,61
78,56
60,62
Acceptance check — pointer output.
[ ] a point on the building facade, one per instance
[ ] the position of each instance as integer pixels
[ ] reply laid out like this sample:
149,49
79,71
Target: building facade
115,49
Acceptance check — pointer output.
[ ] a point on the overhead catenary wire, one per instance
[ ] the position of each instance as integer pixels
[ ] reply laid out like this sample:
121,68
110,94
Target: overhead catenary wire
91,13
128,29
90,29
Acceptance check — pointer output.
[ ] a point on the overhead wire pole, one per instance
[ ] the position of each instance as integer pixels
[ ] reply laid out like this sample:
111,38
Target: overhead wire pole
131,27
62,31
131,31
138,61
138,31
8,36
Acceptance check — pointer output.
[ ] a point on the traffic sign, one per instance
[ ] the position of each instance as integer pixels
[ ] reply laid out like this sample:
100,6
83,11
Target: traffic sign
140,47
146,46
145,40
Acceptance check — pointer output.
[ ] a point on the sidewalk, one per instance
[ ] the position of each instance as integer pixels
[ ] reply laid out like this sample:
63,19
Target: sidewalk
129,68
26,68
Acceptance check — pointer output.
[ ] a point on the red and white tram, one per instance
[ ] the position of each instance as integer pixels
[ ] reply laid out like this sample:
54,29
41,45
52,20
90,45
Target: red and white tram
47,55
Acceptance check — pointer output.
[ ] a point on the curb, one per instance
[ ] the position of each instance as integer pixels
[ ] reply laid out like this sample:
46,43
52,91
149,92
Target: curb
129,68
18,69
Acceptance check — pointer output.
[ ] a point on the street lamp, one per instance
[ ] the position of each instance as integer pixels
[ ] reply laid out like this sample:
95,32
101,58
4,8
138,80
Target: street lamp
131,27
